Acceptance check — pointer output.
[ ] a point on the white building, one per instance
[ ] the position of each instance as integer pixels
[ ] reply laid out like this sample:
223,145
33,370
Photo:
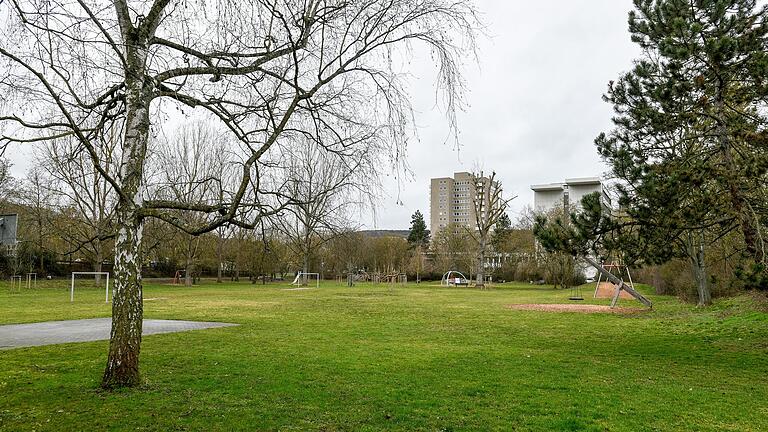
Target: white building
568,194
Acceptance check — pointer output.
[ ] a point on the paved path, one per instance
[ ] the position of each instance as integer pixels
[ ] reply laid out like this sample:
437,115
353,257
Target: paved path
84,330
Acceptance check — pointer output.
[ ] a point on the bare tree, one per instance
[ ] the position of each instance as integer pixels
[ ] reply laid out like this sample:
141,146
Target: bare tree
36,193
7,182
488,205
321,187
222,234
449,250
85,193
189,171
264,69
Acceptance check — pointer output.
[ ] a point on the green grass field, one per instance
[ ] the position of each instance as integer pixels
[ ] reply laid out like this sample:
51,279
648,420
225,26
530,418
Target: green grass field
411,358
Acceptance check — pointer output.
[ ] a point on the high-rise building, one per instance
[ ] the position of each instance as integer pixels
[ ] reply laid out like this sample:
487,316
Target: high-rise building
451,200
567,195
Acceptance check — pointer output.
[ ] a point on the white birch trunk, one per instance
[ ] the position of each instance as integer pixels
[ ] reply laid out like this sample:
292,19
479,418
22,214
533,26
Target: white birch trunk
127,305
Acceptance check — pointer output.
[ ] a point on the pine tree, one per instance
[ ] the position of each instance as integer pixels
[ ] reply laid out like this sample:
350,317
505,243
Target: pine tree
690,131
419,235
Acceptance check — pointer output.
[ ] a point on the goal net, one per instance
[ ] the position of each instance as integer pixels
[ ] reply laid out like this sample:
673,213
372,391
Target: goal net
89,279
305,278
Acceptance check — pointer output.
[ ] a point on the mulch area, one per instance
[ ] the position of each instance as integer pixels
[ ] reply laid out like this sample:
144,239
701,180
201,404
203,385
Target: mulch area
578,308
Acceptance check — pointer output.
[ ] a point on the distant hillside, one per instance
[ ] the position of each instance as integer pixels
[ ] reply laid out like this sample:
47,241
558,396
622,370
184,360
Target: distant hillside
385,233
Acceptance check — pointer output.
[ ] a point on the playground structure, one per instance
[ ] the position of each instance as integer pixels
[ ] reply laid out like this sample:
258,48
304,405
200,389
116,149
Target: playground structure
31,280
607,289
576,293
178,275
390,278
299,280
376,278
72,285
353,277
16,284
454,278
621,286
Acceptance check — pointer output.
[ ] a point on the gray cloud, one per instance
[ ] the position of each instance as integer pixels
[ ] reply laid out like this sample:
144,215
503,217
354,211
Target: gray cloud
534,104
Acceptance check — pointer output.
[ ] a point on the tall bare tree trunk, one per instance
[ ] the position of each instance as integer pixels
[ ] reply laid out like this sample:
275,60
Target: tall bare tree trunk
305,268
40,241
219,255
127,305
97,266
480,280
189,268
127,312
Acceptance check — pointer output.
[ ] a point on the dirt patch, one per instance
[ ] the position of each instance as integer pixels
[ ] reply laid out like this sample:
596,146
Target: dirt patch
578,308
608,290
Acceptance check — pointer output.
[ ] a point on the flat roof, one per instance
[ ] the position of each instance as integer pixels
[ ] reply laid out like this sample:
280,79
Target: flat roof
547,187
583,181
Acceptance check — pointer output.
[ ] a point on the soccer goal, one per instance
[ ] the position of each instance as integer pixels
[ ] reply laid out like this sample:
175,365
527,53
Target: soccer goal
298,280
72,286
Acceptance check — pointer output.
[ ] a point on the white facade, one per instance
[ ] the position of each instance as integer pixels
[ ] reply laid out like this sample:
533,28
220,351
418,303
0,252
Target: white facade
547,196
567,195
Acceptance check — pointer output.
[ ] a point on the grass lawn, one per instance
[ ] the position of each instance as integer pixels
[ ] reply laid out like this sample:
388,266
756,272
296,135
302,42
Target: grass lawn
412,358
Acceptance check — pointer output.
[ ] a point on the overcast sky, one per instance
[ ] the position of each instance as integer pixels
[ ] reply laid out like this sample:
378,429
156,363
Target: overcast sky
534,102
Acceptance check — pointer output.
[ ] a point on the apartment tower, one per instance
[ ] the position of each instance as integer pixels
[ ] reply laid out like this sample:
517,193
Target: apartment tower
451,200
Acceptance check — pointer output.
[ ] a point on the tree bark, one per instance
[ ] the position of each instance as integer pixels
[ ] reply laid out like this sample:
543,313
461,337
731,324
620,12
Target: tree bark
219,255
305,268
698,266
480,277
127,305
127,308
188,269
40,238
97,266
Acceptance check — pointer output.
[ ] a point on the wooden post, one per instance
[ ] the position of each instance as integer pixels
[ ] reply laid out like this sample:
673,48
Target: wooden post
620,283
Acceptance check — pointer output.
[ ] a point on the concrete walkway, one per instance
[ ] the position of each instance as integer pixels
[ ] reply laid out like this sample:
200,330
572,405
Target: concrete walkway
85,330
